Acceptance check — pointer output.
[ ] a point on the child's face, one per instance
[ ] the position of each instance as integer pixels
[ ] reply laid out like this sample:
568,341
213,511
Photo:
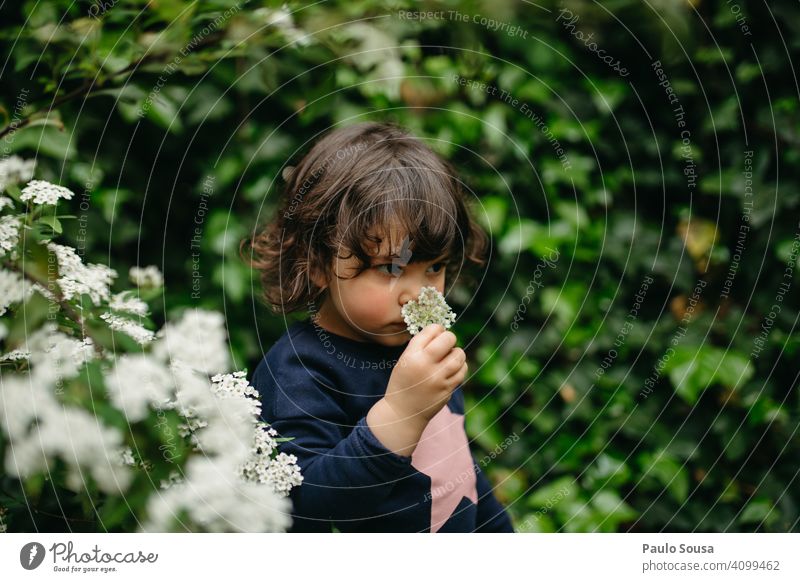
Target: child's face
368,307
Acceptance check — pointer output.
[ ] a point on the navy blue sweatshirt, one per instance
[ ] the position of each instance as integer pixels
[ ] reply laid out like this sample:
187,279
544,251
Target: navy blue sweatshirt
316,387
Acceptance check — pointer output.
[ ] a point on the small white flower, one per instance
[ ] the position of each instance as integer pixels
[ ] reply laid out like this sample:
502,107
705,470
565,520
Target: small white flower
13,289
197,339
9,233
146,276
127,303
86,445
24,400
126,456
236,386
138,332
229,433
281,18
225,409
136,382
77,279
5,201
429,308
283,474
14,170
55,355
174,478
193,398
43,192
27,459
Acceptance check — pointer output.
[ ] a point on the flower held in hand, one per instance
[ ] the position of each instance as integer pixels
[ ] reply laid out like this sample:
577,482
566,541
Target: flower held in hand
430,307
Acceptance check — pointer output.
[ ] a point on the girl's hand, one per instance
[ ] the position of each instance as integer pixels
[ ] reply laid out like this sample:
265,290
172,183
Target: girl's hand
426,374
423,379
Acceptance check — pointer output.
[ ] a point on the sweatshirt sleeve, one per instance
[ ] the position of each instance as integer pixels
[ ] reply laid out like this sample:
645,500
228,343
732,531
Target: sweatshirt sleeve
346,470
492,516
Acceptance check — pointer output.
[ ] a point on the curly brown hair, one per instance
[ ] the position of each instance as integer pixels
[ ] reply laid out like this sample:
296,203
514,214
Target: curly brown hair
354,179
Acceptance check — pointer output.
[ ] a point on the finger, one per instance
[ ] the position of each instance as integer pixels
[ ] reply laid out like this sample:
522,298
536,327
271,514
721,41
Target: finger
423,338
441,345
459,376
453,362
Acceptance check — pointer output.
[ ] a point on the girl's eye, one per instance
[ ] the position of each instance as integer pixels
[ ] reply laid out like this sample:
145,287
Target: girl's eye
396,270
441,266
393,269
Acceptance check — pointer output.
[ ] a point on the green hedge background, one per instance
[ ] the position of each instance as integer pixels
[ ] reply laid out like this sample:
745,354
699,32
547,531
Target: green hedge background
635,166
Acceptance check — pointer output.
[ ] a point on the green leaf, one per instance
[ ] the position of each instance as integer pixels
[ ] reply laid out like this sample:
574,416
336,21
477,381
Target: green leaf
492,213
691,370
607,471
553,492
611,506
669,472
31,316
45,140
756,511
51,221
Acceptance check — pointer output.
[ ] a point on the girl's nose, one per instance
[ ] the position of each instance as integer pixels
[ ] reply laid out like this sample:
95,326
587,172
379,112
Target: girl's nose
409,289
406,296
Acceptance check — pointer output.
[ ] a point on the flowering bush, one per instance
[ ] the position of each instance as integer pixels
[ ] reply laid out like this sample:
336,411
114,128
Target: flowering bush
107,424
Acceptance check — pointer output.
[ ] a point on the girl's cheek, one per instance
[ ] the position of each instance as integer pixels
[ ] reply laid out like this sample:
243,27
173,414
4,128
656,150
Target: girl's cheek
372,299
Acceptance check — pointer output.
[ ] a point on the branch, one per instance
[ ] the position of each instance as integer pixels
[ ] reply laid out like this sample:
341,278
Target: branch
86,88
65,306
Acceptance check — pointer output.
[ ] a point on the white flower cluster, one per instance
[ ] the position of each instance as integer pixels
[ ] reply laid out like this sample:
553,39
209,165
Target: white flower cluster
13,289
428,309
281,18
236,386
9,233
174,368
126,302
5,201
214,500
129,327
14,170
43,192
136,382
237,461
281,473
146,276
15,356
39,427
75,278
226,421
55,355
228,433
198,340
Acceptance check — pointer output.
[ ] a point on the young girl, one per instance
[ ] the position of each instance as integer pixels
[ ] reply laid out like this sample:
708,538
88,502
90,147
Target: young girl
371,215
